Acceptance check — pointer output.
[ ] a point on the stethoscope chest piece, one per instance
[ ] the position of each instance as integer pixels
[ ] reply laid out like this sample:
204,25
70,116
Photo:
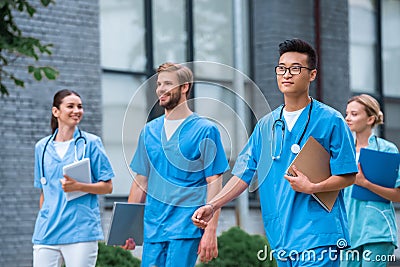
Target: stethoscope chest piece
43,181
295,148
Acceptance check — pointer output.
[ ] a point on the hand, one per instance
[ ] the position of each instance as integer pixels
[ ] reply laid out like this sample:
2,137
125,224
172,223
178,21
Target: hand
202,216
129,244
360,178
69,184
300,183
208,246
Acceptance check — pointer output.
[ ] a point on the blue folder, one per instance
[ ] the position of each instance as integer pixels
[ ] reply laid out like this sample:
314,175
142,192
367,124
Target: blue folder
380,168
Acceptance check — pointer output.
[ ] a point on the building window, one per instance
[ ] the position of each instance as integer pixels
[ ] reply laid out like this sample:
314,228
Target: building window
363,54
126,54
169,33
391,47
391,68
122,35
362,27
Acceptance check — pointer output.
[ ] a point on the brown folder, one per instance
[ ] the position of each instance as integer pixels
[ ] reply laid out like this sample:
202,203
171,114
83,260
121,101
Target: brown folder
313,161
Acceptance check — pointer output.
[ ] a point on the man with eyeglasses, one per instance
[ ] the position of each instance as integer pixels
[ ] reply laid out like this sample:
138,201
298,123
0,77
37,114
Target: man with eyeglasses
300,231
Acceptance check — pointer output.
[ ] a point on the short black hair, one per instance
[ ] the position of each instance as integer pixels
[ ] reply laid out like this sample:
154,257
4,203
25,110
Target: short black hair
298,45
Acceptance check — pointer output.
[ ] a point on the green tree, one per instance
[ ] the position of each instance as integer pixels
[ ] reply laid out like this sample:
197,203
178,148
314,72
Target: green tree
110,256
13,44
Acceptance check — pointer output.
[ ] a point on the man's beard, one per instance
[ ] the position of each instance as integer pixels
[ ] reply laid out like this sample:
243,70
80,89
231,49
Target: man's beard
173,101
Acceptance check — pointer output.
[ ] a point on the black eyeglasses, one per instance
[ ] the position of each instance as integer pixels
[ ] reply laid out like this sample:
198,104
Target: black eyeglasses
293,70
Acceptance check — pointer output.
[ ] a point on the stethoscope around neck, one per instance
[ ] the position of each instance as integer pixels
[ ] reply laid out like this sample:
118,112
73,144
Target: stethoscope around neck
80,137
295,148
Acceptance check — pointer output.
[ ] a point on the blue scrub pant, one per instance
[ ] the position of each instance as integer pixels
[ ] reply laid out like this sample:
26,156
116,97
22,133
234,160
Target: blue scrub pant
316,257
368,255
172,253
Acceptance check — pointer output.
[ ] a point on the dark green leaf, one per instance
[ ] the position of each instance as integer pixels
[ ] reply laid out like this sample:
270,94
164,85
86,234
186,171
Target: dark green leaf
50,73
46,2
15,44
18,82
20,7
3,89
37,74
3,60
31,69
30,10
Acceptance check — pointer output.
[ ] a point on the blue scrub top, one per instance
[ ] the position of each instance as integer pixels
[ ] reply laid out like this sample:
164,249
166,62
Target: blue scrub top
295,221
177,170
60,221
372,221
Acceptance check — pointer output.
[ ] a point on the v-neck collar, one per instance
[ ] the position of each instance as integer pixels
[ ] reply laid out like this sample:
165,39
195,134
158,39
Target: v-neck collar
300,123
164,138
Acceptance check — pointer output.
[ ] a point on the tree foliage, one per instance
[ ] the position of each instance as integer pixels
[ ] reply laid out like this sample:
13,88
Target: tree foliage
110,256
13,44
236,248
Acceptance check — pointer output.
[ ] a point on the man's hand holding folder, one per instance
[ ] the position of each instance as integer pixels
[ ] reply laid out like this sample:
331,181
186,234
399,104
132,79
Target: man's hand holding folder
310,167
300,182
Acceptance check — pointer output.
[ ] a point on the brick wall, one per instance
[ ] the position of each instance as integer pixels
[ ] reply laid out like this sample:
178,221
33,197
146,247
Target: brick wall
335,53
73,27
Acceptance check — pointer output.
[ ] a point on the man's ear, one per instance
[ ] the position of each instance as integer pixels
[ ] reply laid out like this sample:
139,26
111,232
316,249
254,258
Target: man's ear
184,88
313,75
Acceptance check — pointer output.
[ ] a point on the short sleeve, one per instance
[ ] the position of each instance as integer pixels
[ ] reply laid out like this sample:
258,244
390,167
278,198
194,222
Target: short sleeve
342,149
215,161
246,164
38,166
99,162
140,161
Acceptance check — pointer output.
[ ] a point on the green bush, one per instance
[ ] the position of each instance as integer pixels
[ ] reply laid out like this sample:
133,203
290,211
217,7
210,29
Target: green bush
237,248
110,256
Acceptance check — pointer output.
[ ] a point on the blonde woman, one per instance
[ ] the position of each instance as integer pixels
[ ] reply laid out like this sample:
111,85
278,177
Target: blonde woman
372,224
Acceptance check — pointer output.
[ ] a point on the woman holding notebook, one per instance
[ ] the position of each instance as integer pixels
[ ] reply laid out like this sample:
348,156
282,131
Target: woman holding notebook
68,229
372,224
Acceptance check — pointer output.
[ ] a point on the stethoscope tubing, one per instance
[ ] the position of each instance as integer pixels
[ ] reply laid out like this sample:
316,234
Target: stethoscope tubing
280,120
75,150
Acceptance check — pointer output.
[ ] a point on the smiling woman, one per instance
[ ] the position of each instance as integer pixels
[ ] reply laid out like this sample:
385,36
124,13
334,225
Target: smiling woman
68,230
67,112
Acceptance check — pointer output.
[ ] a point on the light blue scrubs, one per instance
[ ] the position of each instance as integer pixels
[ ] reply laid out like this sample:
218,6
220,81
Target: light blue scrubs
59,221
293,221
372,221
177,170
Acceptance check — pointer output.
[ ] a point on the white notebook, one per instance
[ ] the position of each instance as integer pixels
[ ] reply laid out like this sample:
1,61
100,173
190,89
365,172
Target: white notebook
80,171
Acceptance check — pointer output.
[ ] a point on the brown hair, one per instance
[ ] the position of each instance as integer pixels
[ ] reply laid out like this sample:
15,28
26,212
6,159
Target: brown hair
371,106
57,100
185,75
